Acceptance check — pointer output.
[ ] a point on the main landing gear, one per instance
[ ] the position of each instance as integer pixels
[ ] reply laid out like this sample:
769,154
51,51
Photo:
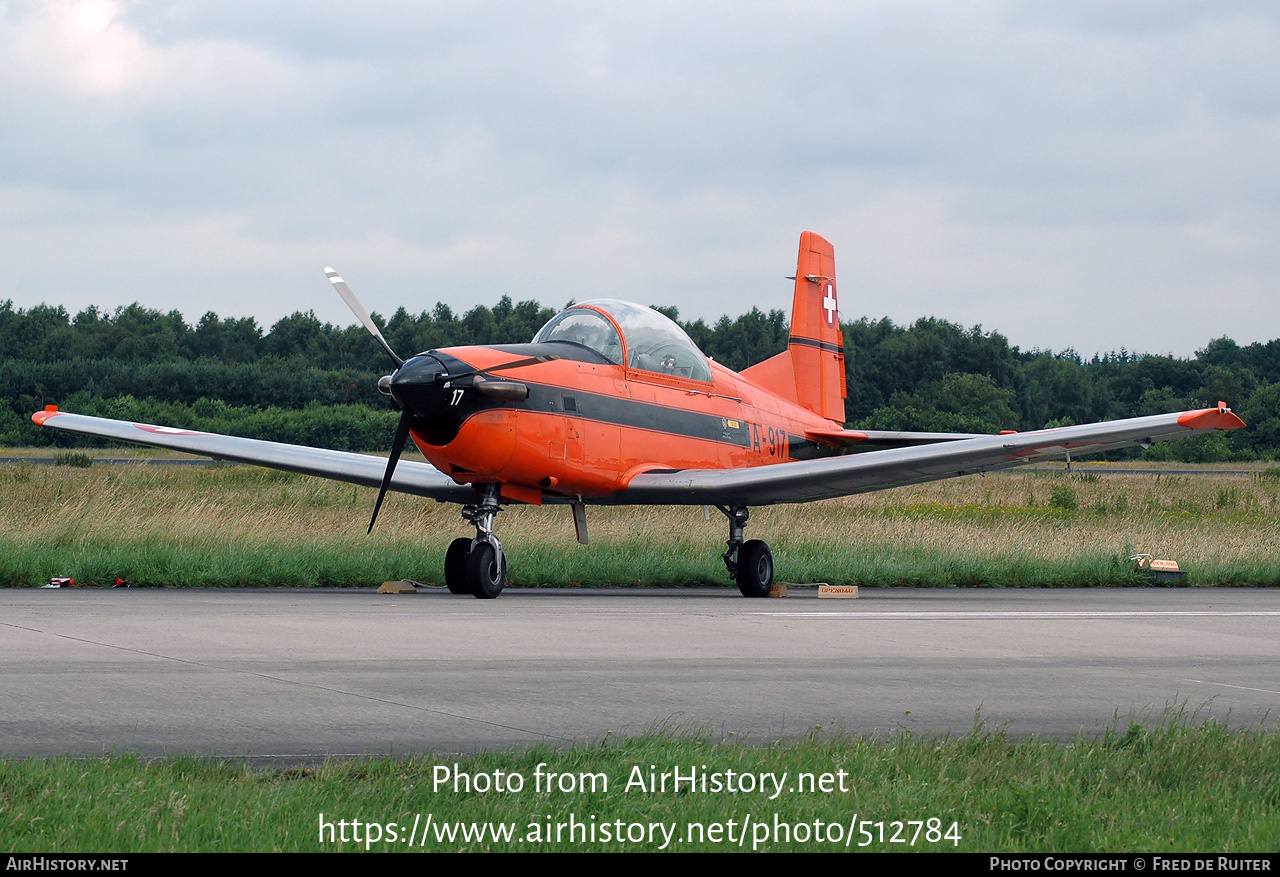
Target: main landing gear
750,563
478,566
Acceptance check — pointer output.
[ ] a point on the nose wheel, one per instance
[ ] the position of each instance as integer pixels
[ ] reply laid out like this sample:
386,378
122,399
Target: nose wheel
486,571
750,563
478,566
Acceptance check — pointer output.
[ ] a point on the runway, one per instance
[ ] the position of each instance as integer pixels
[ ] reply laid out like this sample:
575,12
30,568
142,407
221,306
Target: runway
294,674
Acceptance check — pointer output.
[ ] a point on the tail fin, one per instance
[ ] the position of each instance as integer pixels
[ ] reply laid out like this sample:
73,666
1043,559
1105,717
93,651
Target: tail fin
810,372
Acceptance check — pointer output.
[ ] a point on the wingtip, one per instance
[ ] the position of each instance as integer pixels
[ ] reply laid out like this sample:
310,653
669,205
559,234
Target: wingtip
41,416
1221,417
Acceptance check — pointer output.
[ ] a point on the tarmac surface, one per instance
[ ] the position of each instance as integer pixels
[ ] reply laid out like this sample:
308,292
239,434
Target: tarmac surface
298,675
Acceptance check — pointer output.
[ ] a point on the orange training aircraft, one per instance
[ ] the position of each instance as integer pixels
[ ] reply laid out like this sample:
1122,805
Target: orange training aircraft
611,403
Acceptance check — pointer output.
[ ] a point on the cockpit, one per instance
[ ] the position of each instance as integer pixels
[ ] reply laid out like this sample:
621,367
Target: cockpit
623,332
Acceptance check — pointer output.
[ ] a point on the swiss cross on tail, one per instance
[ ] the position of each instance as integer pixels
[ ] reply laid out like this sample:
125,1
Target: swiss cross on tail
829,303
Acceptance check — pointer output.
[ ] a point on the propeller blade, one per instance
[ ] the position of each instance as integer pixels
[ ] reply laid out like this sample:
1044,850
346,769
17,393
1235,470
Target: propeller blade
532,360
361,314
402,436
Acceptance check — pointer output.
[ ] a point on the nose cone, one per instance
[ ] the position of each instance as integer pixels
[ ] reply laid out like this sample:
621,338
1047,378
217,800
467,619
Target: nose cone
414,386
438,409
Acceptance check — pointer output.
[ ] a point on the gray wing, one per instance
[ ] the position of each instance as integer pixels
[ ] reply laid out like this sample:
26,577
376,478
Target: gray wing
876,470
422,479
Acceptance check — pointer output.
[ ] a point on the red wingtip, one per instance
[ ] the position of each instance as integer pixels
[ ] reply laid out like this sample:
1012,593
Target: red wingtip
1211,418
41,416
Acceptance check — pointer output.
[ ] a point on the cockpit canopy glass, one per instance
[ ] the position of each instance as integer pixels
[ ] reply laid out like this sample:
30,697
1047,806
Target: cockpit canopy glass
586,328
653,342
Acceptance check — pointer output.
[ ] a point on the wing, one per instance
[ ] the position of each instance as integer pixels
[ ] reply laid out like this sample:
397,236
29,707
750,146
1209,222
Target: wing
422,479
876,470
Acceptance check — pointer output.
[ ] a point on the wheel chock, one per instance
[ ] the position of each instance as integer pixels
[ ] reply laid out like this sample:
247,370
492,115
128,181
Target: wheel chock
843,592
1158,570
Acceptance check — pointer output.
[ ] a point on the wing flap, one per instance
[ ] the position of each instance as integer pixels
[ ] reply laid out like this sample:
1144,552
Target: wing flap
421,479
875,470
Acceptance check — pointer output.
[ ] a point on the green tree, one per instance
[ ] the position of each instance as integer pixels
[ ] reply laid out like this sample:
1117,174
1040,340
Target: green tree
956,403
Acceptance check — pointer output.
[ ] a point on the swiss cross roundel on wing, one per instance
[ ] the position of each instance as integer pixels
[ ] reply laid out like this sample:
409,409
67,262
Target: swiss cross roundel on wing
829,304
168,430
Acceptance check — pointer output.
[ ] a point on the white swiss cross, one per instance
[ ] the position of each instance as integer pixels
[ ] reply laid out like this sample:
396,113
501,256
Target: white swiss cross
829,305
167,430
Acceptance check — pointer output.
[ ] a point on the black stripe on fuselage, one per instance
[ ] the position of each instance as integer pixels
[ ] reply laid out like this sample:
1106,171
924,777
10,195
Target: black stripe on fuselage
640,415
814,342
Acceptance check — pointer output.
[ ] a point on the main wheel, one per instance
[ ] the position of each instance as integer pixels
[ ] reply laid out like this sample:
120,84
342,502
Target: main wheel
455,566
755,569
486,571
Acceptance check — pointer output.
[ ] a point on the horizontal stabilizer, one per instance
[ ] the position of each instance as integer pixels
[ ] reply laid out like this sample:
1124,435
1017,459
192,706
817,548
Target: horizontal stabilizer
878,439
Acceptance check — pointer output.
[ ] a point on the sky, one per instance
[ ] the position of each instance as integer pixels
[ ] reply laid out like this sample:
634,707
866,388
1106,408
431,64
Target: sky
1088,174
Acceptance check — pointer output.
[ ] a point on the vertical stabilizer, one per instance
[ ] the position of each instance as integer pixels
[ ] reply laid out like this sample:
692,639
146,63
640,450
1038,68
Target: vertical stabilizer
811,370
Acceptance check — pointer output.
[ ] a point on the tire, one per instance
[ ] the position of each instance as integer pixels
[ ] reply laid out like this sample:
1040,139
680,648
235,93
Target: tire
755,569
455,566
486,571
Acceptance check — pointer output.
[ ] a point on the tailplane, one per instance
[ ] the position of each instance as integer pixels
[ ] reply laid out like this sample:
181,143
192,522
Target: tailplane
810,372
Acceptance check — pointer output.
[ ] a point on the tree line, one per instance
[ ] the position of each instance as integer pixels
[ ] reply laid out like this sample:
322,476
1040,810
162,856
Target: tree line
305,381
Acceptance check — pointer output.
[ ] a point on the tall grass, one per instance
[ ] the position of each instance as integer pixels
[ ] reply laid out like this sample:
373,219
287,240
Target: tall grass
228,525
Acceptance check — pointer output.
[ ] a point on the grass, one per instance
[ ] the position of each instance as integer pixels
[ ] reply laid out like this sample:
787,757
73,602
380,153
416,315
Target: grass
242,526
1162,786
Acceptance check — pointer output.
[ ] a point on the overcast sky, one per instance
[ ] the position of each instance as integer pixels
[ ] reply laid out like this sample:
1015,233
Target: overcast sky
1073,174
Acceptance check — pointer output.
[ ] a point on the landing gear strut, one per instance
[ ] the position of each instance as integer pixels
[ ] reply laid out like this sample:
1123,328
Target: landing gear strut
750,563
478,566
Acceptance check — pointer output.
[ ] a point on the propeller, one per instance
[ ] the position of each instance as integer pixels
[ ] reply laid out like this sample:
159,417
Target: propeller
406,415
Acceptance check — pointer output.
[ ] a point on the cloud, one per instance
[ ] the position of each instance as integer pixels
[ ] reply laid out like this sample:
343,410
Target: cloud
1079,175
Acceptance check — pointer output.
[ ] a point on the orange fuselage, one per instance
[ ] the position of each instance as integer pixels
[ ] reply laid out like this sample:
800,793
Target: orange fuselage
588,428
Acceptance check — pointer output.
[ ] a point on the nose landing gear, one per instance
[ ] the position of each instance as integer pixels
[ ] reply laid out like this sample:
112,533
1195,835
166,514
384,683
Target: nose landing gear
750,563
478,566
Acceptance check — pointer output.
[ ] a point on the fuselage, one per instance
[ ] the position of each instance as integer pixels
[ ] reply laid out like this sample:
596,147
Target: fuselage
590,425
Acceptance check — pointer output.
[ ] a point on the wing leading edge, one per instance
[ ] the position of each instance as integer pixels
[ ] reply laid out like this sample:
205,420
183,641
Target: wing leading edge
875,470
421,479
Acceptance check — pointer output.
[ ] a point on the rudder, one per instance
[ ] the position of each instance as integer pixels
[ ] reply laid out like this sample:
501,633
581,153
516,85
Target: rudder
811,371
